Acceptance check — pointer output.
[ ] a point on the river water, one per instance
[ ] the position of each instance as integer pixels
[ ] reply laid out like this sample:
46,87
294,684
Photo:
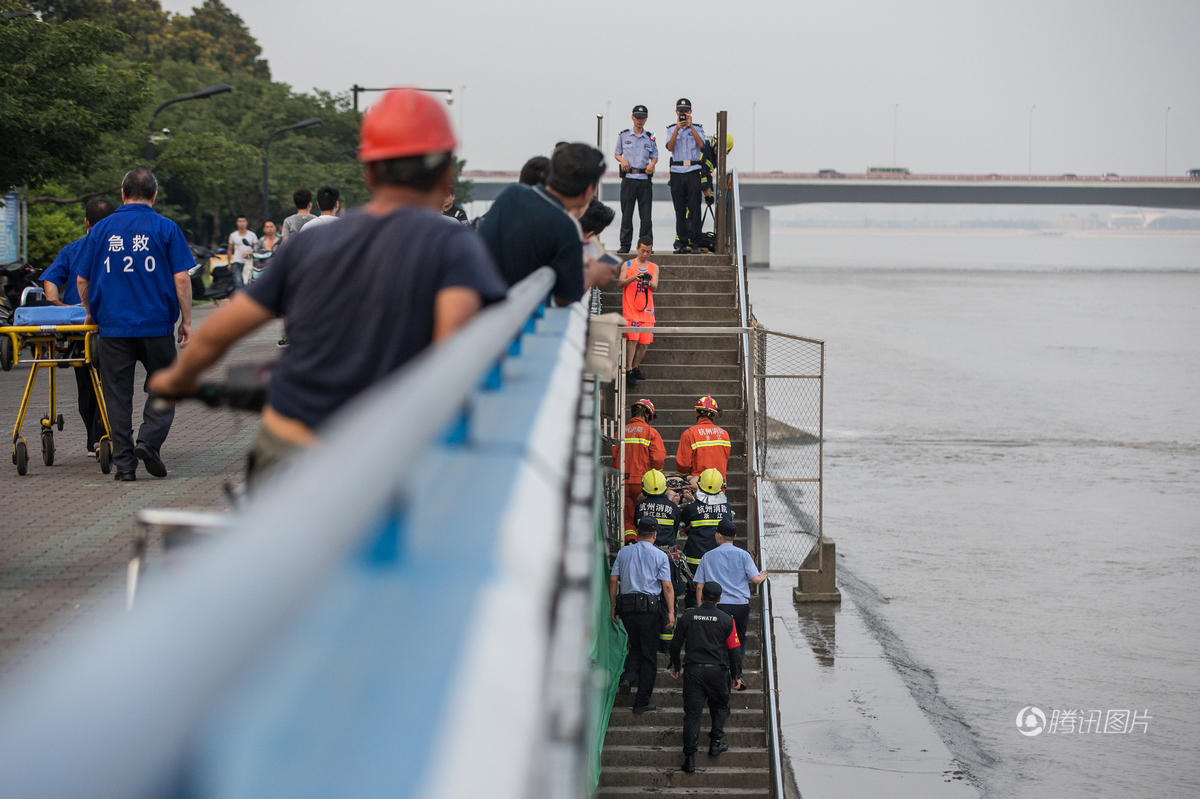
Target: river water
1013,465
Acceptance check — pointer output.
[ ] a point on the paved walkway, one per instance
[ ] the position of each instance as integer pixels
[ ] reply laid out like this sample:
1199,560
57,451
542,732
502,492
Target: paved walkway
66,530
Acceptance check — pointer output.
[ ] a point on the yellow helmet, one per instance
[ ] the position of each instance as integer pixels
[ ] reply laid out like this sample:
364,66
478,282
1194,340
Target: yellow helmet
712,142
654,482
711,481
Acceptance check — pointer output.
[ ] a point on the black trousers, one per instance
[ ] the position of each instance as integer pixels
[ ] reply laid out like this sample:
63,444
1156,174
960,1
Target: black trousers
741,617
685,194
703,684
642,662
118,357
641,192
89,408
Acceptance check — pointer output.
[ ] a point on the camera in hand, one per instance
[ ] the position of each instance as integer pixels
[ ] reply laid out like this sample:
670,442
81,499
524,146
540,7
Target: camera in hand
644,277
683,117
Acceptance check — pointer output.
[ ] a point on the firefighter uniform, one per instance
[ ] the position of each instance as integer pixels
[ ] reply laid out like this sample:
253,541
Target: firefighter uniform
699,522
644,451
704,445
713,659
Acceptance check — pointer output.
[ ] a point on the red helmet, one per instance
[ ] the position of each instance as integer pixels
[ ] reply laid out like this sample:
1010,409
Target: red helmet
405,122
707,403
648,405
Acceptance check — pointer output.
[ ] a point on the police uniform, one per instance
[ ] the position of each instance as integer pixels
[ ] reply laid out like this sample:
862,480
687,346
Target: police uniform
641,569
713,659
733,569
685,180
699,520
666,513
639,151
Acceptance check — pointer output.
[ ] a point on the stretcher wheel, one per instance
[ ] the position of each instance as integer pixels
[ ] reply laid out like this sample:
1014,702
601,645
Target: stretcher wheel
48,447
21,456
105,455
6,353
59,422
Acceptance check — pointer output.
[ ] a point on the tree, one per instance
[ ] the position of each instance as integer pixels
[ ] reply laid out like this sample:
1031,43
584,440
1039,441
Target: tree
62,90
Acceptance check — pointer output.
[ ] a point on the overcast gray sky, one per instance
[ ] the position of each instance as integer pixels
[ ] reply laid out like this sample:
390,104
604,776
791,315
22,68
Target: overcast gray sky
826,76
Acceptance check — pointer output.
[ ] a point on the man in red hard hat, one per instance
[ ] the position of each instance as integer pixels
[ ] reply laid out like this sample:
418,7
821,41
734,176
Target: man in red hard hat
361,297
704,445
644,450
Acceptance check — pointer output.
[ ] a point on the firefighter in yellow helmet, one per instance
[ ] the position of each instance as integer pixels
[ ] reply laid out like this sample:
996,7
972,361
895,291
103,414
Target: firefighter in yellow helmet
699,523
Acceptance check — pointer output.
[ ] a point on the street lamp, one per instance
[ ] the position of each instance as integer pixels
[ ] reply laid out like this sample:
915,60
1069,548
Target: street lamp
895,127
1166,130
220,88
307,123
1029,166
754,136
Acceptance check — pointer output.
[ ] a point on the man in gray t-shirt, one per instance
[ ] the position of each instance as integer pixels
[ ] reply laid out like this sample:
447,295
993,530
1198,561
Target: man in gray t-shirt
303,200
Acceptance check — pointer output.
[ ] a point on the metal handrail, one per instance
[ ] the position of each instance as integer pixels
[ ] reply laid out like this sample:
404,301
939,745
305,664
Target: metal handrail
122,722
768,628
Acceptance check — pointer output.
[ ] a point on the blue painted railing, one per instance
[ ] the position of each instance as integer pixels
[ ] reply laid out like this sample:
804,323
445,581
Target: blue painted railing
378,622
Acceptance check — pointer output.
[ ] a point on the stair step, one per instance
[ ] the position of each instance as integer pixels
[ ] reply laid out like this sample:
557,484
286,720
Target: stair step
619,735
668,694
706,260
634,792
706,775
672,756
697,316
715,347
684,298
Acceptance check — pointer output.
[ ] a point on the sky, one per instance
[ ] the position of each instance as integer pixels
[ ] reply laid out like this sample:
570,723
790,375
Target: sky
954,86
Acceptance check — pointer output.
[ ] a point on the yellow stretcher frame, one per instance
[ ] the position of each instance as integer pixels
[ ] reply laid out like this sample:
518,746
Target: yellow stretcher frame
42,340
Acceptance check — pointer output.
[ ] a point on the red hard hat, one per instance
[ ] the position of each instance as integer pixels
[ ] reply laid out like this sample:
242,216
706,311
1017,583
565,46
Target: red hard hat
648,405
405,122
707,403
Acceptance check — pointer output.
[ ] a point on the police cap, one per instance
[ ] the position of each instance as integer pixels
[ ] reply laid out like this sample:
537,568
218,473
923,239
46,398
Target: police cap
726,528
640,112
647,524
683,104
711,591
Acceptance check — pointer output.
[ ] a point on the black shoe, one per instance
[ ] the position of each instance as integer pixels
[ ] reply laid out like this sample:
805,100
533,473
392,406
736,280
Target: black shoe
644,708
637,374
624,682
689,763
148,456
682,251
125,477
717,747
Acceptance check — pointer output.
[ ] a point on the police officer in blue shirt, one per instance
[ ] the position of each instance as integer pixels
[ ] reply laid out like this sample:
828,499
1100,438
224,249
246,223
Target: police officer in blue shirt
640,592
734,570
637,153
686,144
133,280
63,274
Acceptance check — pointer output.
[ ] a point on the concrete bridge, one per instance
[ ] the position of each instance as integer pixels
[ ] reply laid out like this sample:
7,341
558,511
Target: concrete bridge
760,190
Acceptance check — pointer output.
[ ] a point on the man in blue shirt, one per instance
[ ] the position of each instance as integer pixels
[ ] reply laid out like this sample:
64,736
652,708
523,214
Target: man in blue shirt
62,274
640,592
734,570
686,143
637,152
133,280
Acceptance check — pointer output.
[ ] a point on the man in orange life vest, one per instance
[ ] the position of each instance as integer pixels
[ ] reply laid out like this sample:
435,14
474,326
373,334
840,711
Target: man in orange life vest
644,451
639,279
704,445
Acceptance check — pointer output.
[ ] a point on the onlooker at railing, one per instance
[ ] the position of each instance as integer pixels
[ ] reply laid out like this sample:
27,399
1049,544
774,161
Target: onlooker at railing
641,594
644,450
426,279
535,171
714,658
637,152
303,200
734,570
530,227
63,272
638,283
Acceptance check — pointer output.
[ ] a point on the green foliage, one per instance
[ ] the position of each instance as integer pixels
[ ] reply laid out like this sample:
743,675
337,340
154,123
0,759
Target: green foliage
462,186
52,227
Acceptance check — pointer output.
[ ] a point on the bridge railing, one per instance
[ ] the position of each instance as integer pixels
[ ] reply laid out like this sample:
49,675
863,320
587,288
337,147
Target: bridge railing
391,604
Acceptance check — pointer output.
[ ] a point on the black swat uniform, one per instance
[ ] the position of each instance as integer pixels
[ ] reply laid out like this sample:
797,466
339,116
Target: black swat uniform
700,522
713,660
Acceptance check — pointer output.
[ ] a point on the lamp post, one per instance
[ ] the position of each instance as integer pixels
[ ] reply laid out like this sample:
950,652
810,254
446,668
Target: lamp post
1166,130
754,136
895,127
1029,166
220,88
306,123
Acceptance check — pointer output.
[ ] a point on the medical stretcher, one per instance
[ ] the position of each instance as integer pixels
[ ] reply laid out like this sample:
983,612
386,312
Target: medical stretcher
55,336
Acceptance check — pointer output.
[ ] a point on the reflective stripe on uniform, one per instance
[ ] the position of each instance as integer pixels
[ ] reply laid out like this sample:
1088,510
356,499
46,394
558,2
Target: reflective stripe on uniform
669,635
706,523
666,521
692,561
644,441
698,444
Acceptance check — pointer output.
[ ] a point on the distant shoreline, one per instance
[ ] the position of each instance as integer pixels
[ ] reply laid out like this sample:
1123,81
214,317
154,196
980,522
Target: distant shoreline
784,228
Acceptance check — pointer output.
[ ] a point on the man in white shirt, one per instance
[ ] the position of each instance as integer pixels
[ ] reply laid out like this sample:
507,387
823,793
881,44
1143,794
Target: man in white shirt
239,247
328,202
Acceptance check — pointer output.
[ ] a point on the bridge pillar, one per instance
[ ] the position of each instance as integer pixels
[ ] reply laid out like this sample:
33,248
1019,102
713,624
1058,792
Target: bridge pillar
756,230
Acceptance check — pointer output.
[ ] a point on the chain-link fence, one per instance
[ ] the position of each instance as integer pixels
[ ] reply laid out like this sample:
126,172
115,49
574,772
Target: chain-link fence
788,398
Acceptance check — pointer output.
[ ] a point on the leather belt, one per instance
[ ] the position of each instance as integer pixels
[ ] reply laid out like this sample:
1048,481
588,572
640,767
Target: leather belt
633,170
684,163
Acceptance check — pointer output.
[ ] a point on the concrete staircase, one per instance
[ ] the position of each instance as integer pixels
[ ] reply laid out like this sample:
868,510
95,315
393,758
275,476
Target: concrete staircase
642,753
